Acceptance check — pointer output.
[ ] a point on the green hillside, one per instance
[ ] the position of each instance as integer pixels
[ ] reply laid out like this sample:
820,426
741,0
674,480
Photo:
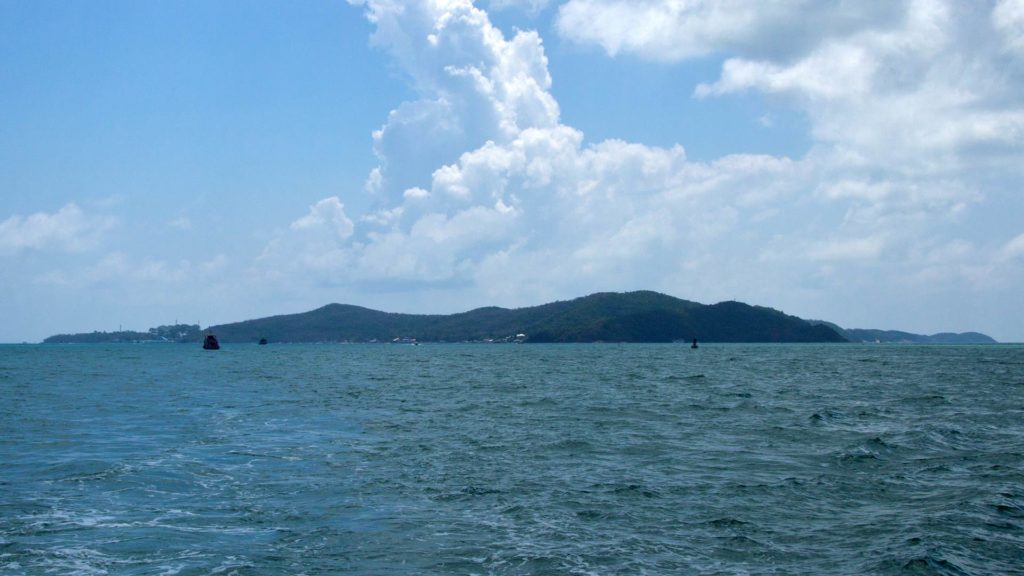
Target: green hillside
642,316
610,317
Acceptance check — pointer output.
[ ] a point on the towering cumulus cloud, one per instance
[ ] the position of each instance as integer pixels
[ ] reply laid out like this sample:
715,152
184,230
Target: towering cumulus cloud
480,185
481,189
475,87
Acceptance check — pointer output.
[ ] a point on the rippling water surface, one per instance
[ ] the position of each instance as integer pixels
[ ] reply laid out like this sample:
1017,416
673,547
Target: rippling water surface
504,459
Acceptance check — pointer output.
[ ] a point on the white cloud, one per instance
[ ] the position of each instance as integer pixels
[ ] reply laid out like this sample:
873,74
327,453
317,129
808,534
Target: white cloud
915,85
671,30
119,272
68,229
916,119
318,243
871,192
437,248
415,194
474,86
485,197
327,215
927,96
1008,20
1013,249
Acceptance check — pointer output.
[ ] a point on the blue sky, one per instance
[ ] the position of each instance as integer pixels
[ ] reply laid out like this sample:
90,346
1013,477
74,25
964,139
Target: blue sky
210,162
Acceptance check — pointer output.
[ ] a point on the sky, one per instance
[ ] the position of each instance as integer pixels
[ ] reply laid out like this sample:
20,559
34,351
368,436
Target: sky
210,162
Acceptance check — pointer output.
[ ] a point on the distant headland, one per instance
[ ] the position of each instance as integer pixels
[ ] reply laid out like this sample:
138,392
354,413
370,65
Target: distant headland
171,333
642,316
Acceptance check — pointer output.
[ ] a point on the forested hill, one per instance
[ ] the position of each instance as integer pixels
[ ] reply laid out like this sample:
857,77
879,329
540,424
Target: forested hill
609,317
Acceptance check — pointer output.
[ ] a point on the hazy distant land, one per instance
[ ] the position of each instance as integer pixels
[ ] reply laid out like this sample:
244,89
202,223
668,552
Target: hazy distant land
896,336
642,316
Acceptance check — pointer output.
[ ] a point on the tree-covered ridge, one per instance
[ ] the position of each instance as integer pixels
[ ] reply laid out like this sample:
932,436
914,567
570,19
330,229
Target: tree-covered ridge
610,317
642,316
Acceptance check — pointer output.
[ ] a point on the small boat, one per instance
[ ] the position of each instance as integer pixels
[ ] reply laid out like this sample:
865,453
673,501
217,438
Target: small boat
263,341
694,345
210,343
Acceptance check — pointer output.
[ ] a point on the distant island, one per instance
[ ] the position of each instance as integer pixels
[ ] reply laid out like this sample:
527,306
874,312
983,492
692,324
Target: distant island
898,337
171,333
642,316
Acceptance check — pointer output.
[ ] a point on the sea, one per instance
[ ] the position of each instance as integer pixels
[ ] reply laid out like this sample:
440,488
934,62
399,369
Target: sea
591,459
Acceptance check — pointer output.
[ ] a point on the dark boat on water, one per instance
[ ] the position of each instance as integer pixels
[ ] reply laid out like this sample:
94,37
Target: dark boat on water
263,341
210,343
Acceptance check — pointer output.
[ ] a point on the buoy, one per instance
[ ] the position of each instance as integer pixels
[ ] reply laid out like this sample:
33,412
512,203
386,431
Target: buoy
694,345
210,343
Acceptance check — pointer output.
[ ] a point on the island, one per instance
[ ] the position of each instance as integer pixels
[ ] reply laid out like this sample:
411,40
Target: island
641,316
170,333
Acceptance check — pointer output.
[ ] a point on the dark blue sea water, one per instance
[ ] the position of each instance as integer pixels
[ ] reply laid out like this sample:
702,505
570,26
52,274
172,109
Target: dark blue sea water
505,459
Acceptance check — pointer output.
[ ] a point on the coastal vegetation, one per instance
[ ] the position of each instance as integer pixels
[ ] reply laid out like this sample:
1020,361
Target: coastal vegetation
604,317
641,316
